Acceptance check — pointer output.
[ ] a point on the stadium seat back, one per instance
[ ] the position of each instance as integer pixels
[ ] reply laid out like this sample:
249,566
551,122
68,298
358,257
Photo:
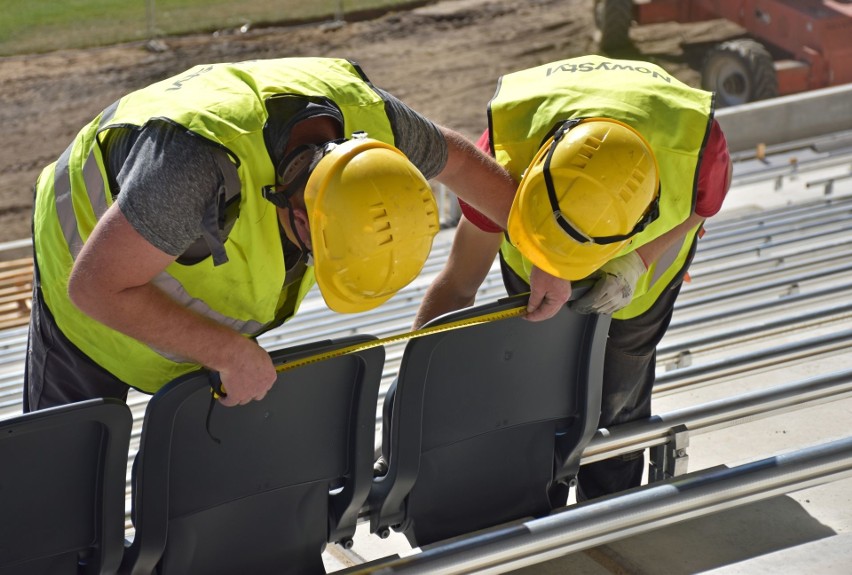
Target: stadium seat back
258,488
488,422
62,489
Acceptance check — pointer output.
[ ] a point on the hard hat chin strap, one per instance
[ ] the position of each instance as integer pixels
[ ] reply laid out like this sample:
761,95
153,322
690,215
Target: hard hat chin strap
651,214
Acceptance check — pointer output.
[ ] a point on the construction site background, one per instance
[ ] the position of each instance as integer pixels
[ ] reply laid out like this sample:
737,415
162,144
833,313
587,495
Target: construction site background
36,27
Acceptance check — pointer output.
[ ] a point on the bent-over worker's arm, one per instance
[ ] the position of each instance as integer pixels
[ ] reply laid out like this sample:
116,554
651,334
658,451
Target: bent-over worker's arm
447,156
477,178
651,251
714,183
470,259
617,279
112,282
468,263
614,289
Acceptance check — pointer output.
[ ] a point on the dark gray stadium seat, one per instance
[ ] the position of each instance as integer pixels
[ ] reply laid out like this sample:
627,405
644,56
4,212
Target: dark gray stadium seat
62,482
488,422
250,491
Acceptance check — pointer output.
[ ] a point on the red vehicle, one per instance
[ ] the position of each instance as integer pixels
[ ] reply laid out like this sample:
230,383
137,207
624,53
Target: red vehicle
793,45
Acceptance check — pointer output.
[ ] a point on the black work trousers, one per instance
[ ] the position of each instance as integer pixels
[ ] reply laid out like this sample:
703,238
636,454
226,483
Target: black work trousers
56,372
628,379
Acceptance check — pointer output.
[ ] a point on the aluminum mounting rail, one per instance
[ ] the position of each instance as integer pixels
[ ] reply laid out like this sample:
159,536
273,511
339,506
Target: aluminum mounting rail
751,307
751,362
718,414
761,326
637,511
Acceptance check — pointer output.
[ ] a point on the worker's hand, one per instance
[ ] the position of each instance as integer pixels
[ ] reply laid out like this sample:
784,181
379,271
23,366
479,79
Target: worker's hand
614,288
547,295
247,375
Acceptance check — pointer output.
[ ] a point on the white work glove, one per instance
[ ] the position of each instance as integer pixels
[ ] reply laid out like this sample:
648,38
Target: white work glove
614,288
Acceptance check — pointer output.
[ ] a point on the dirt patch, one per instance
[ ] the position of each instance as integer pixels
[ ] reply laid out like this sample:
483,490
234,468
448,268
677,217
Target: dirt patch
442,59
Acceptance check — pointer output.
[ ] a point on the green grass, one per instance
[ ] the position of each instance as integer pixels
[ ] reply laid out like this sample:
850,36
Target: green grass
45,25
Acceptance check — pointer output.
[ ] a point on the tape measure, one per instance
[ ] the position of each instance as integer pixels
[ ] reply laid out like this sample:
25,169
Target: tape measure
449,326
218,390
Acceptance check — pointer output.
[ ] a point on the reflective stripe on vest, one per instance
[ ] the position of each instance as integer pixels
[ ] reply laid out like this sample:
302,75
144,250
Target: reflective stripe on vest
660,277
97,198
94,185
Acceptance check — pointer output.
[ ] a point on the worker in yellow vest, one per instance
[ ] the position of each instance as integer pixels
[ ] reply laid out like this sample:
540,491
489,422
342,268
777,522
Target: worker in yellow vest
194,214
619,164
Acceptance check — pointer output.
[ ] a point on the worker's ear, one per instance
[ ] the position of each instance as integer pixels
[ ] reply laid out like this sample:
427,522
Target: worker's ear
303,228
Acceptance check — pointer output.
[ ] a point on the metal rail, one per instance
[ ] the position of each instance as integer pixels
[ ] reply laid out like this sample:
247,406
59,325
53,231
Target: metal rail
765,234
758,250
752,307
637,511
718,414
762,328
726,294
751,362
791,263
718,231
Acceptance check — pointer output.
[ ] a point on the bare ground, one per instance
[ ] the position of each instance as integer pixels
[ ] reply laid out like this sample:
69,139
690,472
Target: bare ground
442,59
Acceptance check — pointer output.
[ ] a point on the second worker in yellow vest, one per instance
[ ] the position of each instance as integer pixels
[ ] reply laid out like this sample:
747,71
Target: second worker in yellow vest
618,165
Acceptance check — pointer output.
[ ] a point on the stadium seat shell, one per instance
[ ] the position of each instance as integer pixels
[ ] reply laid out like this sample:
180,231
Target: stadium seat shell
486,424
62,489
259,488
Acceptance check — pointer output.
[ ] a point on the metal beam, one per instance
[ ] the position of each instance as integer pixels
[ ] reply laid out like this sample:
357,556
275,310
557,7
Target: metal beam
636,511
719,414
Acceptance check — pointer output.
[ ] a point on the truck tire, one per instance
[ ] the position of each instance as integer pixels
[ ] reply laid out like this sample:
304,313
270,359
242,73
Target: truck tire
739,71
613,18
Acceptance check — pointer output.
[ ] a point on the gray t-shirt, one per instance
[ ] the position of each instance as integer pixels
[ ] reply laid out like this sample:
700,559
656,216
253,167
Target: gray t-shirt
167,179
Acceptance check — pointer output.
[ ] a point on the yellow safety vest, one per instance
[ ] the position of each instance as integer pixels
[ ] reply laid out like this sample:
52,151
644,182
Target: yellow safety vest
673,117
227,105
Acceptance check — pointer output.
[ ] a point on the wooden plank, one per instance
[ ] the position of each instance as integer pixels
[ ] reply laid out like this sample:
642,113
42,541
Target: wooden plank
14,322
16,276
16,298
19,263
16,287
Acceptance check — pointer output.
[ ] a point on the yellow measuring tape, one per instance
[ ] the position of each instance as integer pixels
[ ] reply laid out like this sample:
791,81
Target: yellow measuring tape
449,326
219,390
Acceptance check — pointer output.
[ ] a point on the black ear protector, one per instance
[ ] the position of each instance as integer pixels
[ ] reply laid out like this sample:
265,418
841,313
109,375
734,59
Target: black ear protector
291,175
293,171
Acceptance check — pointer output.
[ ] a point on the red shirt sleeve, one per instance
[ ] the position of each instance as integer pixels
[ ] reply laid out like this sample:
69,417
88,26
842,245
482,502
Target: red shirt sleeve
471,213
713,173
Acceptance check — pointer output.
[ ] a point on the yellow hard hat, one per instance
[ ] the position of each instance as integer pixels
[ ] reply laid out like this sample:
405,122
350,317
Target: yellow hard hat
589,189
372,216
